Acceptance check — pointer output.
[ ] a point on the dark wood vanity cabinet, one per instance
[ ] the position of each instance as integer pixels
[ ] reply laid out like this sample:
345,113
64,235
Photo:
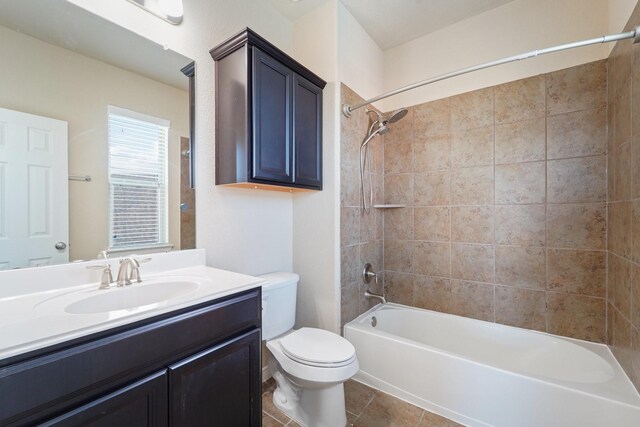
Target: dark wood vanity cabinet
268,117
196,367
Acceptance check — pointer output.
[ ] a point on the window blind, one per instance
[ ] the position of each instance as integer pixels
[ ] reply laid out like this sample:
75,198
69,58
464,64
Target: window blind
138,190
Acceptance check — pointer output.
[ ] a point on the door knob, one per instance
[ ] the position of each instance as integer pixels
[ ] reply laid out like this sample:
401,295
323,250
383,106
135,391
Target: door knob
61,245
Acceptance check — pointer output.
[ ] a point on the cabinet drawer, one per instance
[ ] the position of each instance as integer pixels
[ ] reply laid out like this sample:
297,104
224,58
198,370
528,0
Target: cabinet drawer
48,385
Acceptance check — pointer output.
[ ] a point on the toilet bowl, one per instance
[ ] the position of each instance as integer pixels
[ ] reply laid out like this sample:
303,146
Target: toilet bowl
309,365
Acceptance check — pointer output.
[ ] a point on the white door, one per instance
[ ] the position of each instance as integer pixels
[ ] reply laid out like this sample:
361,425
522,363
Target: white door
34,194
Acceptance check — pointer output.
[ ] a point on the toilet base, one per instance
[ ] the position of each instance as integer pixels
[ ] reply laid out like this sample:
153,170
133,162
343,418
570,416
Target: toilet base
310,407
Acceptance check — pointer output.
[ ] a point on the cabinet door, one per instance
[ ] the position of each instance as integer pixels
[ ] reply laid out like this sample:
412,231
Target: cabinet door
143,403
219,386
272,100
307,132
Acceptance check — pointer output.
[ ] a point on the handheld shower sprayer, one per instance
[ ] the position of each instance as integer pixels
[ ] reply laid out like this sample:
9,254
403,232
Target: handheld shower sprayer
379,126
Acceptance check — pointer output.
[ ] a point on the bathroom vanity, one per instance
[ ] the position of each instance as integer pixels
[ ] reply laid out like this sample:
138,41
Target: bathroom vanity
188,360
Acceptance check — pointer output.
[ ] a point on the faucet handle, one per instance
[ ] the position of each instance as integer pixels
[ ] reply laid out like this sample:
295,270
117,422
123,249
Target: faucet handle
107,277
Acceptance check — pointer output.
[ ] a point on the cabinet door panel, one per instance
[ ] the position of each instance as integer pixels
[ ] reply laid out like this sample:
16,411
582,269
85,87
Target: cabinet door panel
219,386
143,403
307,125
272,100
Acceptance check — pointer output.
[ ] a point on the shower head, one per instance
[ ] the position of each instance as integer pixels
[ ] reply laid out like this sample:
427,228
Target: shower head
396,115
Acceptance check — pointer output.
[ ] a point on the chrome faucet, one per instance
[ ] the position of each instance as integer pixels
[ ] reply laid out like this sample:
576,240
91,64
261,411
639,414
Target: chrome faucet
129,271
367,275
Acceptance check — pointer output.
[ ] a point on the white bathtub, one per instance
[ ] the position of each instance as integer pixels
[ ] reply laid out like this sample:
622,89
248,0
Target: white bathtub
485,374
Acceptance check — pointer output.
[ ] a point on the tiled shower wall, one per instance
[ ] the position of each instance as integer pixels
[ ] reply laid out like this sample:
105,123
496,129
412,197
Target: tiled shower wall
360,235
623,297
505,193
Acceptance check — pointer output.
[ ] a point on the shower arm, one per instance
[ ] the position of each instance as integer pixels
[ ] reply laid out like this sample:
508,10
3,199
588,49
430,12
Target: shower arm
635,35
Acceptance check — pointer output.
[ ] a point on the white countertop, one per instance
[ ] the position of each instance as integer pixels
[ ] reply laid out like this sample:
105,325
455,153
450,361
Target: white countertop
35,320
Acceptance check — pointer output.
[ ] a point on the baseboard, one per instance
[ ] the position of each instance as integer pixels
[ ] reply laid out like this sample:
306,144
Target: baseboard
266,373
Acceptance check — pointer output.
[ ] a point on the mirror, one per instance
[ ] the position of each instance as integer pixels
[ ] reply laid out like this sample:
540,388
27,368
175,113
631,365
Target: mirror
94,138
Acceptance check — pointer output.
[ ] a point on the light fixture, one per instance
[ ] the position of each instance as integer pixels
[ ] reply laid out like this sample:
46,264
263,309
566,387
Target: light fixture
171,11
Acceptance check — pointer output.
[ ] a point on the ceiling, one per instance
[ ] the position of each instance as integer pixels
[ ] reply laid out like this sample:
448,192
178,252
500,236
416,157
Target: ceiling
80,31
393,22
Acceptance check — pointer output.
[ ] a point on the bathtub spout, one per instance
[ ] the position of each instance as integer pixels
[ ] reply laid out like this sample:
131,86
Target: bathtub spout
368,294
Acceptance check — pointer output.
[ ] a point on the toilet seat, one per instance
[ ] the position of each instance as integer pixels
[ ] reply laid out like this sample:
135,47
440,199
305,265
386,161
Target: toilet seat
317,347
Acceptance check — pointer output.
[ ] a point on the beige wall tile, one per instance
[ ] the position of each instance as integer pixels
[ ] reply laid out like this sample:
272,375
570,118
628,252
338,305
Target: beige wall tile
432,224
577,134
520,100
432,293
472,186
520,183
431,188
475,300
522,141
472,262
398,189
472,224
349,226
349,186
577,180
622,115
520,225
576,316
432,258
635,160
579,226
370,252
398,224
635,231
432,119
350,264
472,109
620,73
399,287
397,156
577,88
398,255
620,229
521,266
621,276
634,372
349,303
635,296
619,338
622,173
431,153
577,272
371,226
472,147
523,308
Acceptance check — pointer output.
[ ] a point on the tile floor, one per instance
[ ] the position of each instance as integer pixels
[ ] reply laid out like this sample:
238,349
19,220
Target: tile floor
366,407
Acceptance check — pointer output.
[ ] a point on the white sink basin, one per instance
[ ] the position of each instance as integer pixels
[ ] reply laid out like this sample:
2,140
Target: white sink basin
133,297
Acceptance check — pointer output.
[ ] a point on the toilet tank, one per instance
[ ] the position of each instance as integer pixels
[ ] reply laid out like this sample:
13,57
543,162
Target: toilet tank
278,303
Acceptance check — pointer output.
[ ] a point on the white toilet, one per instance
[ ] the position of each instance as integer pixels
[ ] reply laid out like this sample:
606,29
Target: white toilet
309,365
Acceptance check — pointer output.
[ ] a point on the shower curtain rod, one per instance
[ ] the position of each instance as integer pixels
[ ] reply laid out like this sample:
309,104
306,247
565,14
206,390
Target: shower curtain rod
635,35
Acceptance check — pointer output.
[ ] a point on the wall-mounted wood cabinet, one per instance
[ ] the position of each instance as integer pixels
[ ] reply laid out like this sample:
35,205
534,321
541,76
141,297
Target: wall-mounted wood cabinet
268,117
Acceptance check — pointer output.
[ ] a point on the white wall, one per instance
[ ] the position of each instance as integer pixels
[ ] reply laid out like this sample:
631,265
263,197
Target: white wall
360,60
242,230
516,27
316,247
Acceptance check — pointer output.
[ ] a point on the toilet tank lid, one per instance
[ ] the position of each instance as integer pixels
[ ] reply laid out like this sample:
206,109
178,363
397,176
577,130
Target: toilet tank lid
279,278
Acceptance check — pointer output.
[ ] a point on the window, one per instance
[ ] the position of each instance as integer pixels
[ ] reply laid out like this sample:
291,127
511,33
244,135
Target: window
138,208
